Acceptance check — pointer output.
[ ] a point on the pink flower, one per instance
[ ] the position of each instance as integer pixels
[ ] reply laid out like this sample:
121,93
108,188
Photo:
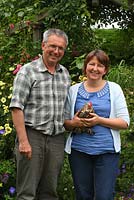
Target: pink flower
35,58
17,69
11,26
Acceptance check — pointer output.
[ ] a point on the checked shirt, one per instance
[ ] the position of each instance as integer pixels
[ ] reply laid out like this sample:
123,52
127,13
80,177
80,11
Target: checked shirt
41,96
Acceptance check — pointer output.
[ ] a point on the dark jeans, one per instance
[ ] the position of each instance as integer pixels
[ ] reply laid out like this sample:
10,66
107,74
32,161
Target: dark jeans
37,178
94,176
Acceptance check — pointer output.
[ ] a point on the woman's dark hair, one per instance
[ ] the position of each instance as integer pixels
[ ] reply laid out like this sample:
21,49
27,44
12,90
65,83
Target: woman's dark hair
101,56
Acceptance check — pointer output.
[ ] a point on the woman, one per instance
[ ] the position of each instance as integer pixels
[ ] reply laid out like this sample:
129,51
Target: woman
94,157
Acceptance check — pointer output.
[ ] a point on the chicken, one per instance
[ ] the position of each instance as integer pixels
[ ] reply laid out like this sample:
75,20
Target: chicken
85,113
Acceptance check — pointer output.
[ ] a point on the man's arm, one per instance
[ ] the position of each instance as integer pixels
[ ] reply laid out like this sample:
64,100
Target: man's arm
19,124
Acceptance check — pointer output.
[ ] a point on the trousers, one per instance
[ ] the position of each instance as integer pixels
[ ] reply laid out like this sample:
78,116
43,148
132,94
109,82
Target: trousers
37,178
94,176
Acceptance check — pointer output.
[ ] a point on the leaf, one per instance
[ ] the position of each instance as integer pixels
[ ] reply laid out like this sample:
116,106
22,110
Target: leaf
20,14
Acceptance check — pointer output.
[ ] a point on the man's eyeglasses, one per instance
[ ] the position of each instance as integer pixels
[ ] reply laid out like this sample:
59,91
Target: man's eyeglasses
54,47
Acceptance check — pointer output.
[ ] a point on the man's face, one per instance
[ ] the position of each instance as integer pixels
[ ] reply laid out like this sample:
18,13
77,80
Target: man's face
53,50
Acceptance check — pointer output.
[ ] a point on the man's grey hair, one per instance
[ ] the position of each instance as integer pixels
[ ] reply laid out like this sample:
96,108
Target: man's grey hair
53,31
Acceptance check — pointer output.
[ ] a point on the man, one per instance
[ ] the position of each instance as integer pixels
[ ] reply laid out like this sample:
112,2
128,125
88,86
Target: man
37,104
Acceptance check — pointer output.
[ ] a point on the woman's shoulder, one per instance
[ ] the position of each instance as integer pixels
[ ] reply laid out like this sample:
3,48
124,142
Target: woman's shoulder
115,88
75,86
113,85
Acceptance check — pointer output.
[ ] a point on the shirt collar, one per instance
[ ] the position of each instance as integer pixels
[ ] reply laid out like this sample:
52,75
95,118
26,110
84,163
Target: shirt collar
42,67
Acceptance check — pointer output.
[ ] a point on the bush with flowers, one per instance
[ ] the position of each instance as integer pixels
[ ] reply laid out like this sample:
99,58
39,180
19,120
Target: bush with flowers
11,60
7,166
18,49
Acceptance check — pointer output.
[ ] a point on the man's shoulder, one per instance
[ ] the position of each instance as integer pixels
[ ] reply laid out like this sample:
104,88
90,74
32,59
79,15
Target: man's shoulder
29,67
63,68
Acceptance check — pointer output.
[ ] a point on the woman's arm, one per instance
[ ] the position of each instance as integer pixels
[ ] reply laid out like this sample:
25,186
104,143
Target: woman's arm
70,124
113,123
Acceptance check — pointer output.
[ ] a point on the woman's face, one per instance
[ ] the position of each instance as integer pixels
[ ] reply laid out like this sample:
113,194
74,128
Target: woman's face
95,70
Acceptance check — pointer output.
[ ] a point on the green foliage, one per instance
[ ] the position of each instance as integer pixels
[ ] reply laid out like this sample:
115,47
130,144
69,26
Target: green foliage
122,75
77,24
125,184
65,186
17,48
7,180
76,67
118,43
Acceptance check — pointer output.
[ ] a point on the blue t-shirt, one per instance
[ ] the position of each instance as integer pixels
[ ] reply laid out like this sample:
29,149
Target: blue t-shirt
102,141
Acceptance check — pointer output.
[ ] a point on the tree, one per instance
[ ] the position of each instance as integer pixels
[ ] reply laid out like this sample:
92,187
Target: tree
108,12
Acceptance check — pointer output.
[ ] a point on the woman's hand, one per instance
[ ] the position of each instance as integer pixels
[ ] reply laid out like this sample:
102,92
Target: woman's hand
113,123
89,122
77,121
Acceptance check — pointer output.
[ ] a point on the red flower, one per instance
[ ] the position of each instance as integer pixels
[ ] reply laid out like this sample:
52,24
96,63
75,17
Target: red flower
28,22
35,58
1,57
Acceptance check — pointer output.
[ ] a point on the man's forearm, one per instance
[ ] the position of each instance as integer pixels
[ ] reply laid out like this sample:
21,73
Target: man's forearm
19,124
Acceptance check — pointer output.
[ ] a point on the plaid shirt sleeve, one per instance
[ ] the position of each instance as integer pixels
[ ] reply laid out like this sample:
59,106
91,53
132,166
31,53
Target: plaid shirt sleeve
21,89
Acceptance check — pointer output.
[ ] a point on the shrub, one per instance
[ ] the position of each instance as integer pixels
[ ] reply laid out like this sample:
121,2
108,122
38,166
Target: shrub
7,179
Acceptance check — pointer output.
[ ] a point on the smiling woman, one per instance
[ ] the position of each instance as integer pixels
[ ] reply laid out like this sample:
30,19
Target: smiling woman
97,155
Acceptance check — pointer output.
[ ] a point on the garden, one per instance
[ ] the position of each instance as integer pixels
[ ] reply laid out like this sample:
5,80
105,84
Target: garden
21,26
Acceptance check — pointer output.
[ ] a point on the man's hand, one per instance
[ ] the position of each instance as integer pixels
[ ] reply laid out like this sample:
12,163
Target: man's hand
25,149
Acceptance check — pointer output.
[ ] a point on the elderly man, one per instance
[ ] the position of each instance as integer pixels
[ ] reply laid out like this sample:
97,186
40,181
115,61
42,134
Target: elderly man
37,104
